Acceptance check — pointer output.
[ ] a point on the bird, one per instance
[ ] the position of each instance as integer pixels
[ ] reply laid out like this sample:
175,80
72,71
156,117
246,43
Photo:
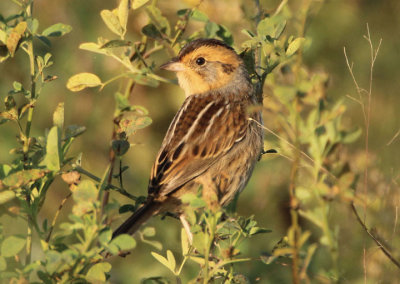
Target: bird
214,140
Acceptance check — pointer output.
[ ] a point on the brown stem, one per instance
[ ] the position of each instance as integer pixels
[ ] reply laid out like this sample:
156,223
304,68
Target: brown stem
373,237
106,195
56,216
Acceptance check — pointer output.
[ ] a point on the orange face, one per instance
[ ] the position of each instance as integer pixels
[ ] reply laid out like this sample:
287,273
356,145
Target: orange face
207,67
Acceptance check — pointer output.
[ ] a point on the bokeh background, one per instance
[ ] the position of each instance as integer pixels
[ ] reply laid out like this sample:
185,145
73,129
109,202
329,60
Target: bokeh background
333,25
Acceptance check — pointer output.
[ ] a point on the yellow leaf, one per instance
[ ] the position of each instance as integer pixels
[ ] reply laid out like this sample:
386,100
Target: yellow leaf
15,36
81,81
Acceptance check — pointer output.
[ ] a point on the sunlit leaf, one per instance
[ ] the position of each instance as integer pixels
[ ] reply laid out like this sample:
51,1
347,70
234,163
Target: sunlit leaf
97,272
12,245
138,3
124,242
52,159
57,30
149,232
123,12
184,242
134,123
15,36
111,20
352,136
171,260
23,177
294,46
58,116
116,43
162,260
265,27
6,196
81,81
199,16
85,197
93,47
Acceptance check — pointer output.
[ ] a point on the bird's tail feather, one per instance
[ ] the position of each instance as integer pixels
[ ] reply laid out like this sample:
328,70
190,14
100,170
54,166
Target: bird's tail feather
133,223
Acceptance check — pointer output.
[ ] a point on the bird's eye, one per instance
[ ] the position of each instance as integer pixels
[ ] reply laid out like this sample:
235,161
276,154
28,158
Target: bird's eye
200,61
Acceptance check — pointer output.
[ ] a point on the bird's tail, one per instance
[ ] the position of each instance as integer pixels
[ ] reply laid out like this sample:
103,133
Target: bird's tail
133,223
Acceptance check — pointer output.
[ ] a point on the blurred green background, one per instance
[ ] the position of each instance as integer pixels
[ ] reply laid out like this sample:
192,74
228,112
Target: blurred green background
333,25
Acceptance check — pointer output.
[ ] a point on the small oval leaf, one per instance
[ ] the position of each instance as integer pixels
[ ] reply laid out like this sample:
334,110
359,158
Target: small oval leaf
57,30
294,46
112,22
12,245
81,81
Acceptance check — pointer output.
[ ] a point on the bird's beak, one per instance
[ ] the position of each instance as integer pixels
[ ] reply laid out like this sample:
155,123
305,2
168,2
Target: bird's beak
173,65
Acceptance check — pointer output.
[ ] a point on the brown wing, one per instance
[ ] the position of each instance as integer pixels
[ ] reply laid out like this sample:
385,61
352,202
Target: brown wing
204,130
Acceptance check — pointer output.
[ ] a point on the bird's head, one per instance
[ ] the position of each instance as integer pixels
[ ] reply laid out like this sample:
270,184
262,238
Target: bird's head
207,64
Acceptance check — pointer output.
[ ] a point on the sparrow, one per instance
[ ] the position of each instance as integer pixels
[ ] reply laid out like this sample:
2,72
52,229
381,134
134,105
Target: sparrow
214,140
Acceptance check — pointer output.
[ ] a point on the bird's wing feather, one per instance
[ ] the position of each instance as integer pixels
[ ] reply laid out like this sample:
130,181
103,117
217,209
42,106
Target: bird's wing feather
205,129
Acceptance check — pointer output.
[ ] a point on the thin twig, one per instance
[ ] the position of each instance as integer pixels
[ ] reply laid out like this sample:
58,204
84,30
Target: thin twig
53,223
108,186
394,138
376,240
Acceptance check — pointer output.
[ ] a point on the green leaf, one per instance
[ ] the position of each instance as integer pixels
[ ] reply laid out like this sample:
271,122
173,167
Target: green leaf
280,27
294,46
3,263
53,261
258,230
4,170
12,245
116,43
111,20
120,147
225,34
81,81
184,242
74,131
171,260
58,116
85,197
149,232
122,101
144,80
124,242
199,16
265,27
211,29
3,36
93,47
151,31
52,159
131,124
352,136
57,30
160,21
162,260
6,196
33,25
23,177
138,3
105,236
97,272
123,12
